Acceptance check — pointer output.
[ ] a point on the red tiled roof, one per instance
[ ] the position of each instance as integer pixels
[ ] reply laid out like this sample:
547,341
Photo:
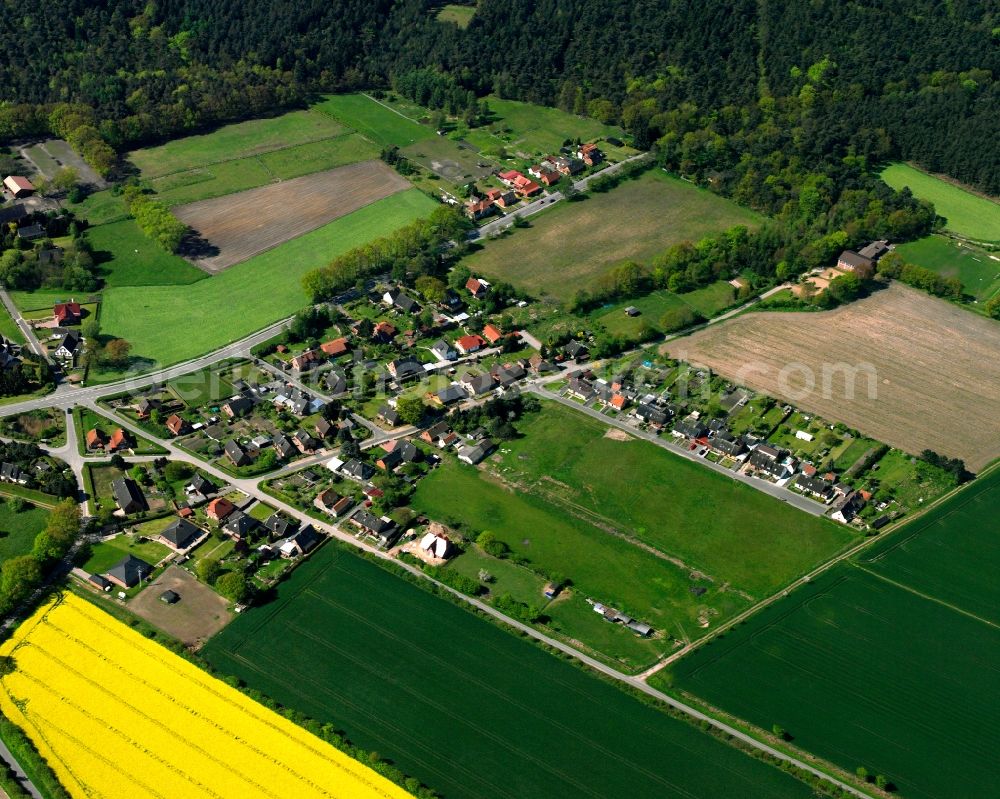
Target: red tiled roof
94,438
66,310
19,183
336,347
175,424
470,343
220,508
119,438
492,334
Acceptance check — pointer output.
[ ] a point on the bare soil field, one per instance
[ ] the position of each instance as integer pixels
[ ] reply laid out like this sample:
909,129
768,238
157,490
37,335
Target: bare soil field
237,226
197,616
925,372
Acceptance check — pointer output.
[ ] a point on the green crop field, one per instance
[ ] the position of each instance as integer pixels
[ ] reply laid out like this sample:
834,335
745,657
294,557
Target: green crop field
885,662
227,177
18,530
569,514
379,123
128,257
966,214
635,221
978,271
350,644
231,142
167,324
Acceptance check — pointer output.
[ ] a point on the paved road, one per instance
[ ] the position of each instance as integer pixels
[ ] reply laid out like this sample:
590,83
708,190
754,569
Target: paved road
547,199
23,326
778,492
28,785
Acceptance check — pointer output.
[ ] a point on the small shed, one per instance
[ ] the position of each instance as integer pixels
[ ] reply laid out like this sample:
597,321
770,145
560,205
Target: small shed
170,597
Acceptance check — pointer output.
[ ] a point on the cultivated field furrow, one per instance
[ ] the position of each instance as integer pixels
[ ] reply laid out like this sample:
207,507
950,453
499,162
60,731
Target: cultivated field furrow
900,366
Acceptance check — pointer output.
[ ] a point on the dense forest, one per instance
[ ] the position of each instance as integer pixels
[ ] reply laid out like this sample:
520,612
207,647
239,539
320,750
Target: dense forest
914,79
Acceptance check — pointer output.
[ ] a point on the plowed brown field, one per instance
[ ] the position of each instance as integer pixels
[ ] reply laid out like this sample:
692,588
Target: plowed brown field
926,373
238,226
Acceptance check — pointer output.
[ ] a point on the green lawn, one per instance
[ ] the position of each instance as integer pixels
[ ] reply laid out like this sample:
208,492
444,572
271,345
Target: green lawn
635,221
86,420
199,388
8,327
540,130
18,530
978,272
167,324
461,705
908,480
570,515
966,214
380,124
106,554
128,257
231,142
100,208
707,302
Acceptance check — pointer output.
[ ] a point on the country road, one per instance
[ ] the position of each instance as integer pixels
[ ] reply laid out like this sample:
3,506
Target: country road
546,200
29,334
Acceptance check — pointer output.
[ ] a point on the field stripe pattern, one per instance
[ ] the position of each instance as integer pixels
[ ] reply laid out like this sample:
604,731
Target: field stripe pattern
118,715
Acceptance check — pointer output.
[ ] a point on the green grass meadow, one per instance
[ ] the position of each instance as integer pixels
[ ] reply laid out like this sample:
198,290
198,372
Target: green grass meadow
568,514
380,124
128,257
167,324
454,701
18,530
231,142
886,662
460,15
978,272
707,301
540,129
966,214
568,247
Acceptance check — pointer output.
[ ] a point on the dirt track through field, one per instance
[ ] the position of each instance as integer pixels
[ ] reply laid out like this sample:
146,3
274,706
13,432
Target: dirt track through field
927,372
238,226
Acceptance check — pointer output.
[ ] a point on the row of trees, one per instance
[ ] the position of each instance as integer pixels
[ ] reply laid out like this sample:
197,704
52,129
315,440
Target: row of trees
893,265
413,245
155,218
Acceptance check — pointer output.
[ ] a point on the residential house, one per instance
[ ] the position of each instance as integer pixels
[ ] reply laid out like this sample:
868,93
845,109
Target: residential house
443,351
336,382
815,487
851,261
846,508
469,344
335,348
408,451
618,401
477,288
18,185
181,535
304,442
477,384
449,394
503,199
492,334
144,407
95,439
31,232
508,374
219,508
239,525
68,347
576,351
329,501
544,174
67,313
725,443
382,528
176,425
280,526
875,250
236,454
477,208
284,448
651,415
237,407
581,389
120,439
541,366
128,495
10,473
770,461
389,461
357,470
476,453
590,154
301,543
201,484
129,571
689,428
567,166
395,298
384,332
406,368
434,433
388,415
324,429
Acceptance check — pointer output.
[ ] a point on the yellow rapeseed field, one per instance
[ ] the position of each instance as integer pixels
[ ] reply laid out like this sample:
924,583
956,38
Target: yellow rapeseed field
117,715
